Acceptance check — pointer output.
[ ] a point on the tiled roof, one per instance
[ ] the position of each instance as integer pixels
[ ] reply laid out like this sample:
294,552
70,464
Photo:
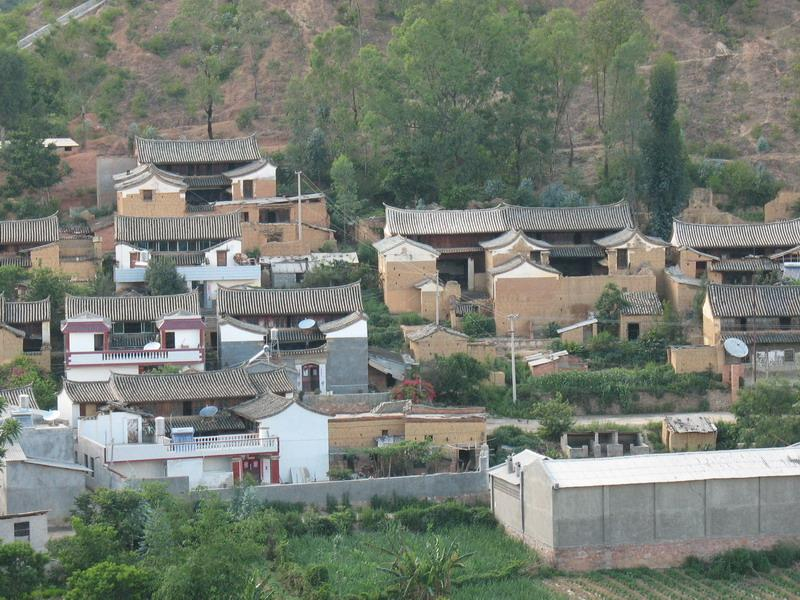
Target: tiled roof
227,384
390,243
754,300
12,396
26,312
264,406
428,330
221,422
29,231
202,227
744,265
767,337
248,168
511,237
641,303
746,235
197,151
625,235
518,261
131,307
342,322
182,259
577,251
199,182
23,260
142,173
342,299
506,217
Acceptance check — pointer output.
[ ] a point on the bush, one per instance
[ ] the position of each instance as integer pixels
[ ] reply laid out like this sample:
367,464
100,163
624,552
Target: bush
737,563
744,184
372,519
340,473
446,514
245,118
477,324
21,569
108,580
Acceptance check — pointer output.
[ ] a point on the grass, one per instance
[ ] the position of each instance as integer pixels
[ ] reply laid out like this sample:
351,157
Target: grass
353,561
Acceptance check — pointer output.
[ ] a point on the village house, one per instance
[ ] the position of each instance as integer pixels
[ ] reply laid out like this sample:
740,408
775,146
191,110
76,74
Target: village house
25,331
169,394
641,313
289,271
388,368
682,433
130,334
28,527
41,244
651,510
176,178
548,363
426,342
321,333
458,431
545,264
206,249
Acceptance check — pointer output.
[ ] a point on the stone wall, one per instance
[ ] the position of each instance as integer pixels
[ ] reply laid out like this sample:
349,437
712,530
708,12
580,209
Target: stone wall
345,403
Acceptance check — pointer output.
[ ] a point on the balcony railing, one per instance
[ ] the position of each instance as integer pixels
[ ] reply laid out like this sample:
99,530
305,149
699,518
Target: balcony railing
133,356
216,445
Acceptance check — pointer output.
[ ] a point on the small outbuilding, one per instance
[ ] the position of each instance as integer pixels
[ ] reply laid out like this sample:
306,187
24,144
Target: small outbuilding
580,332
28,527
688,432
641,313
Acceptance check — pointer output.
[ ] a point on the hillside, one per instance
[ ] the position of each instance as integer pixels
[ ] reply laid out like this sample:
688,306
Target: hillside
734,82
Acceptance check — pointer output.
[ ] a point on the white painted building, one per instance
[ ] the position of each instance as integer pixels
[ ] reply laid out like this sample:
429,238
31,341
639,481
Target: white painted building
130,334
28,527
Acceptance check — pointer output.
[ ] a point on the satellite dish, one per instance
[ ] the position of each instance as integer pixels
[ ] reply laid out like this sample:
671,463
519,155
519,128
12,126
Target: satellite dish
736,347
50,416
306,324
208,411
152,346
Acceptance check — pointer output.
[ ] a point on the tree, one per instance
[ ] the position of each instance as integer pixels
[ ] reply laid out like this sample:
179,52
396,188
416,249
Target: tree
110,580
415,390
90,545
10,278
608,307
664,156
456,378
477,324
46,283
557,40
254,34
14,93
23,371
125,511
345,187
162,278
28,164
556,417
609,25
21,569
768,414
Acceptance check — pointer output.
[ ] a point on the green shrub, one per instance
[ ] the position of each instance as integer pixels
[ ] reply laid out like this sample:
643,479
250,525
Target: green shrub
321,524
372,519
738,563
446,514
246,116
783,555
477,324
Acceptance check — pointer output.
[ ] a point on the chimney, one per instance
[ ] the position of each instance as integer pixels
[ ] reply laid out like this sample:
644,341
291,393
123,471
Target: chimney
160,427
509,464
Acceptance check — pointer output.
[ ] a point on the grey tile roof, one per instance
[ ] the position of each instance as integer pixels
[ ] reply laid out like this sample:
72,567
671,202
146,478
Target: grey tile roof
221,422
234,385
519,260
12,396
342,322
142,173
29,231
642,303
744,265
335,300
767,337
202,227
506,217
780,234
182,259
625,235
577,251
510,237
20,313
197,151
390,243
428,330
131,307
754,300
247,169
199,182
266,405
23,260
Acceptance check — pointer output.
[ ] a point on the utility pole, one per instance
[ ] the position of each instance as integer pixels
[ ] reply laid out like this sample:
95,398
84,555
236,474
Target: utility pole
753,349
299,207
436,275
513,319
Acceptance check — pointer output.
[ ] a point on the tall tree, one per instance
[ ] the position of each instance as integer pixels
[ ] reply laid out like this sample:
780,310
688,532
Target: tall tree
162,278
558,42
28,164
345,186
609,24
15,92
254,34
662,148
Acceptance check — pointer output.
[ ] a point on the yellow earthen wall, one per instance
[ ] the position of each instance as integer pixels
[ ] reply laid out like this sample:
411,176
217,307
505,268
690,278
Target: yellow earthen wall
446,431
784,207
11,347
695,359
361,432
399,278
46,257
440,343
164,204
646,323
680,295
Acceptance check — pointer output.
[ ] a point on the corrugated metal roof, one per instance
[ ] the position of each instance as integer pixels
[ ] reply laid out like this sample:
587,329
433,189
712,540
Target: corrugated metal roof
506,217
197,151
779,234
201,227
674,467
334,300
754,300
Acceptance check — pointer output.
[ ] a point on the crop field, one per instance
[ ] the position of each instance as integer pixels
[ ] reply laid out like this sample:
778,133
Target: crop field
674,584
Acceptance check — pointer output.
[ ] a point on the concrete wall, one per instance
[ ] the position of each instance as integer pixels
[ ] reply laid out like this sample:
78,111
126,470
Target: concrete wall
303,436
107,167
48,443
28,487
466,486
347,365
505,499
37,524
235,353
660,524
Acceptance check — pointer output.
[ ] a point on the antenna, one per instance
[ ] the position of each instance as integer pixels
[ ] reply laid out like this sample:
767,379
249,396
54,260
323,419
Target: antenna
736,347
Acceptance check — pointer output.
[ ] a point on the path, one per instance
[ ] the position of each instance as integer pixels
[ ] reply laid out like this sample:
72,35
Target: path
642,419
78,12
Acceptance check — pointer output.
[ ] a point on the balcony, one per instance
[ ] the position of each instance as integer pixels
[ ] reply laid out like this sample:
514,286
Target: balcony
195,273
135,356
212,445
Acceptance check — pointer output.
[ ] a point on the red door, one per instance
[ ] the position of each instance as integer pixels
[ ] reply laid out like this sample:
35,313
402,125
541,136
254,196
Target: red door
310,377
236,463
252,466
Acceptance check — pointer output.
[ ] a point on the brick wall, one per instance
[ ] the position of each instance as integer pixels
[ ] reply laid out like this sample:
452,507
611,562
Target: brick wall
164,204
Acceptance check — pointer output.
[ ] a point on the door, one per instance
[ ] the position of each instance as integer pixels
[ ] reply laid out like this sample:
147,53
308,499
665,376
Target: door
236,464
169,339
247,188
310,377
251,466
222,258
134,258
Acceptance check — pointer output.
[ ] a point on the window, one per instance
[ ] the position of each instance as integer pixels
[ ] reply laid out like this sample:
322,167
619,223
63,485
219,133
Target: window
633,331
245,216
622,259
169,339
384,432
700,268
310,374
785,322
91,466
743,322
86,460
428,438
247,188
134,258
187,408
576,238
99,342
788,356
273,216
147,195
222,258
536,256
22,531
